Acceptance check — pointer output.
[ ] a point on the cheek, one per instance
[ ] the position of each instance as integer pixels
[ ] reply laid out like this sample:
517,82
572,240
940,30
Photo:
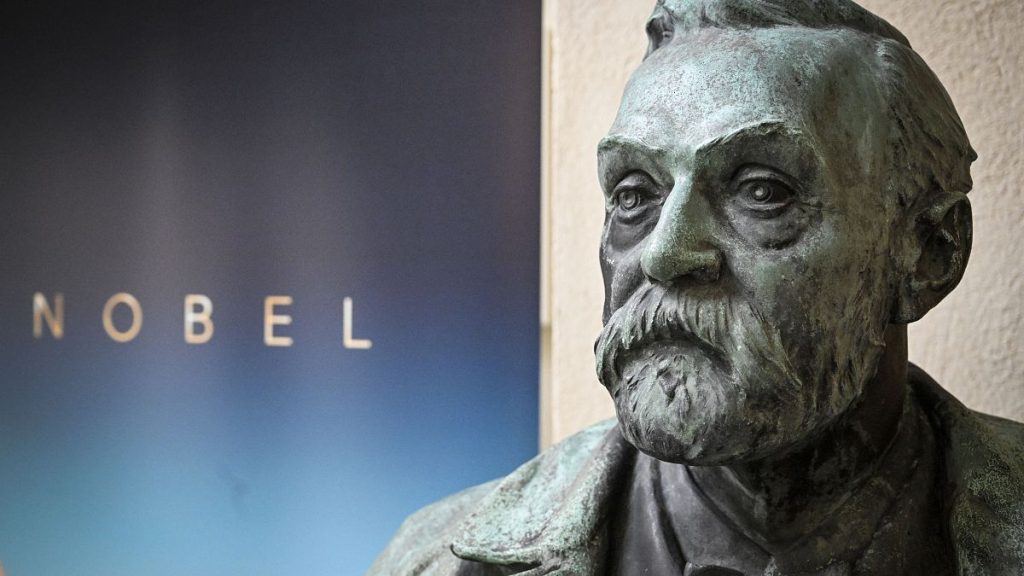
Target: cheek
627,277
622,274
807,290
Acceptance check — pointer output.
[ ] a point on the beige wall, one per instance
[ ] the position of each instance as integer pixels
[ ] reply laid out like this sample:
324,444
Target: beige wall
971,343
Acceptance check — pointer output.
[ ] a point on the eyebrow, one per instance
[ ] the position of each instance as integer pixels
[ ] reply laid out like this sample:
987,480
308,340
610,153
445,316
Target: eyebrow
615,151
611,146
614,148
763,129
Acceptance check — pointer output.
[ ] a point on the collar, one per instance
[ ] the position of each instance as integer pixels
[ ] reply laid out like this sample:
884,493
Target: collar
547,517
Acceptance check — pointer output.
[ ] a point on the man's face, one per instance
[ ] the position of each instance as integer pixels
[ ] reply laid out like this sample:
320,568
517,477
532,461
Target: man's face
746,241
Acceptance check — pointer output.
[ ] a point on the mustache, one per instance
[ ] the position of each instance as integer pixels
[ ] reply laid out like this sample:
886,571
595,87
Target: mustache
719,325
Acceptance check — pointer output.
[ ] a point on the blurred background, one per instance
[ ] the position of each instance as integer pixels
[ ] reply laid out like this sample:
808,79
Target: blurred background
387,153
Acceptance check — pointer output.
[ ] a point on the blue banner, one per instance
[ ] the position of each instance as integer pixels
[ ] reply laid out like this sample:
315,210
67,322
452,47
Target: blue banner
268,277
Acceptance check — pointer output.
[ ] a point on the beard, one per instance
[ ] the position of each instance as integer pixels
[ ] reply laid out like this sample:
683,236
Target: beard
708,381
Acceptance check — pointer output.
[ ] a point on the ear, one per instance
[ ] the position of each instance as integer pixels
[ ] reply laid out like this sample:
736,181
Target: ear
939,245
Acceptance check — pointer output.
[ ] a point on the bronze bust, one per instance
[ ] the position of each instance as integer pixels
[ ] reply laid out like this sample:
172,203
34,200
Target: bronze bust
785,190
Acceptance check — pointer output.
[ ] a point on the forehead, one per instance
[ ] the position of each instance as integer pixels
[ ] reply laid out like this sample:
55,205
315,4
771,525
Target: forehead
707,85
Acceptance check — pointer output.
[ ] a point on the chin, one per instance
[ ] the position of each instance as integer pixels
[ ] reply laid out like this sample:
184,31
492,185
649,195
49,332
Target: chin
727,440
685,408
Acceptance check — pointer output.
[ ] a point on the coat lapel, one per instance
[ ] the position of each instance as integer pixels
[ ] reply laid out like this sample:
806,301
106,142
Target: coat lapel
984,465
549,515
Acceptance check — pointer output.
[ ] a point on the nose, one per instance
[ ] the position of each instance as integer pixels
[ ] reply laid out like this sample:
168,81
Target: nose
681,244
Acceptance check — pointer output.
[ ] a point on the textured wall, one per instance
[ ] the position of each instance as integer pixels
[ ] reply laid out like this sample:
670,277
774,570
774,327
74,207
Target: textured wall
970,342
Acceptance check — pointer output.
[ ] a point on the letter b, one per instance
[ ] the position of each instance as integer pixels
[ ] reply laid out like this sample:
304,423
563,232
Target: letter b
202,316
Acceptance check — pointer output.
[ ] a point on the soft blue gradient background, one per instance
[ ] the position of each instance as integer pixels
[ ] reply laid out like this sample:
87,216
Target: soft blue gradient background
382,151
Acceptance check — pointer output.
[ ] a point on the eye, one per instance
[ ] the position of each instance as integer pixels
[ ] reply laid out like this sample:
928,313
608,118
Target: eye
767,206
761,192
629,199
765,196
633,194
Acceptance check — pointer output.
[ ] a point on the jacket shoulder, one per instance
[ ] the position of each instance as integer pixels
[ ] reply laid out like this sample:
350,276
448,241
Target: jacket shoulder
423,544
984,474
988,506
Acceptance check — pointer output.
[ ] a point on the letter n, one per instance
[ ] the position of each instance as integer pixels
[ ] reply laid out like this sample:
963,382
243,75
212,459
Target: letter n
54,317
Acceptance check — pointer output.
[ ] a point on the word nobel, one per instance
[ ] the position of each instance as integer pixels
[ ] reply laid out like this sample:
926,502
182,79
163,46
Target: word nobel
198,319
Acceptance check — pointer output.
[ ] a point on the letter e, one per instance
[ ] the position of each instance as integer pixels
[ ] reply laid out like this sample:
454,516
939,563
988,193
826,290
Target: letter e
270,319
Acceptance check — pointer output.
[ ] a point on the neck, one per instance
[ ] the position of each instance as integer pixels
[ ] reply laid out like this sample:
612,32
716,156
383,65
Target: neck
778,500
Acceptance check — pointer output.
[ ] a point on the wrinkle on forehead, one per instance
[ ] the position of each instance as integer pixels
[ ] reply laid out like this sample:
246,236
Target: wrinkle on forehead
616,142
711,83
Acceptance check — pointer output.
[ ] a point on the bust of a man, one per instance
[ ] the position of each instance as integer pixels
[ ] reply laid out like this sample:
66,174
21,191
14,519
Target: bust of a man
785,189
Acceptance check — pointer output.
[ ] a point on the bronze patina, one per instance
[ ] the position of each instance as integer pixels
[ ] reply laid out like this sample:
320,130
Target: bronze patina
785,189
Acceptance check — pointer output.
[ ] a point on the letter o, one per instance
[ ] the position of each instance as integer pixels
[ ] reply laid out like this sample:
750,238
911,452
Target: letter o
108,320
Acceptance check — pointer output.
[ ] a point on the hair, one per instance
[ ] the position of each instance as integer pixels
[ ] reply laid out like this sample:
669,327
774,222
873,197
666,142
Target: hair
929,148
